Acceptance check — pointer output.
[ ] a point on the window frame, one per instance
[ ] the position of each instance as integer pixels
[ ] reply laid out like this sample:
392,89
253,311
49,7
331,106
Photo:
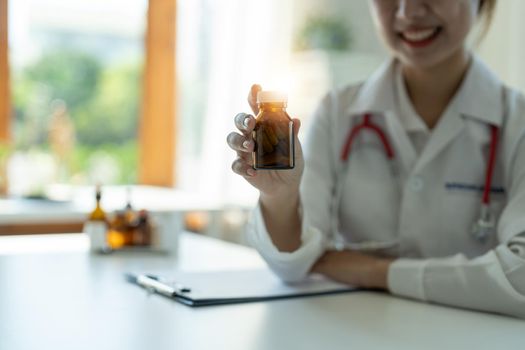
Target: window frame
157,122
157,127
5,98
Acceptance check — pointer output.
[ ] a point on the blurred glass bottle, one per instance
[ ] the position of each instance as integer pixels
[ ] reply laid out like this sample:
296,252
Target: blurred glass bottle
117,234
132,236
143,230
96,227
129,212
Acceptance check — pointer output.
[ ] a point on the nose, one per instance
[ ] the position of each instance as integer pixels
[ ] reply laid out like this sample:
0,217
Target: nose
411,9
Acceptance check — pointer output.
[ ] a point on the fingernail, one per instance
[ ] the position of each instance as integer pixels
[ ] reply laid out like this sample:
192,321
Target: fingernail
250,172
246,144
245,122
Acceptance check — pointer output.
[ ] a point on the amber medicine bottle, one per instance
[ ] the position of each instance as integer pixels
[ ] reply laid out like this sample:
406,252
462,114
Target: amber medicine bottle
273,133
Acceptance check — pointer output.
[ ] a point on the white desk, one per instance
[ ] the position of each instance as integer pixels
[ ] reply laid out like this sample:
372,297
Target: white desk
73,300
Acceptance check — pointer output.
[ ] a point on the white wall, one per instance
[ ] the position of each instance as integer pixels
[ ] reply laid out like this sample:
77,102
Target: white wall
354,12
503,48
315,73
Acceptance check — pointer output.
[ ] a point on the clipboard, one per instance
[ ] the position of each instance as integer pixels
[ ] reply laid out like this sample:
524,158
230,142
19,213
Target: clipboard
232,287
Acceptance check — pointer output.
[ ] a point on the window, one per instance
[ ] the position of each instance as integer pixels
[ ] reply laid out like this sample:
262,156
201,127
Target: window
76,84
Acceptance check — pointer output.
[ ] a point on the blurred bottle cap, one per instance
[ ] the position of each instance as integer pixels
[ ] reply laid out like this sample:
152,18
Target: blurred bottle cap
271,96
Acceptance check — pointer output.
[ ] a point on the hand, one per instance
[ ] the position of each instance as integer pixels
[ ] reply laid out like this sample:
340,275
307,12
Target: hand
354,268
268,182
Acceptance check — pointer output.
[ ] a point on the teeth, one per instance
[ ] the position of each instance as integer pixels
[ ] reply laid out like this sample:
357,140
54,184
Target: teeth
419,35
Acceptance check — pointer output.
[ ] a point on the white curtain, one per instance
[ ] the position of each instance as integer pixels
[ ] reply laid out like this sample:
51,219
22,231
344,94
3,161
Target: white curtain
249,43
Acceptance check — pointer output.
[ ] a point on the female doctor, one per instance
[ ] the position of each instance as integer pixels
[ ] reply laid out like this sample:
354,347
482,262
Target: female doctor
413,181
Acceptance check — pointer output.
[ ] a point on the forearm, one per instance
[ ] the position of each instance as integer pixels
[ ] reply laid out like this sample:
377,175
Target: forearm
354,268
281,217
379,277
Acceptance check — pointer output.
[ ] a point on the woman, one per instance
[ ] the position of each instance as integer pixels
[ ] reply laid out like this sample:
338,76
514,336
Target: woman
406,224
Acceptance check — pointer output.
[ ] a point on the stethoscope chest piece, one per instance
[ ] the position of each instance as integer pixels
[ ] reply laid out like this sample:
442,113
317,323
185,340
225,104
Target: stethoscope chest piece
485,226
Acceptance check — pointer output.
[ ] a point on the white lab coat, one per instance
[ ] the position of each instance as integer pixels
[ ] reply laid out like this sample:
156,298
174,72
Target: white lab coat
428,204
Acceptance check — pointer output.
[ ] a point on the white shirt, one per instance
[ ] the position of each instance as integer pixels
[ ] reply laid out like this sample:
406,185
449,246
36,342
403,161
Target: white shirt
429,204
416,129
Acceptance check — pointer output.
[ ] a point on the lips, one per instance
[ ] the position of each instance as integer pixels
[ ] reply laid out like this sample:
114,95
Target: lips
419,37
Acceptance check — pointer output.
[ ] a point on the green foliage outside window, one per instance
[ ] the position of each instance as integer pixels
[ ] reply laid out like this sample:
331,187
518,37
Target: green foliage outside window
102,102
323,33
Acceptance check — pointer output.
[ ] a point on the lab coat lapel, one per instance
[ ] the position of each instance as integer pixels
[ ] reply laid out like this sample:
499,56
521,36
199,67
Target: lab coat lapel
404,149
479,98
447,129
376,96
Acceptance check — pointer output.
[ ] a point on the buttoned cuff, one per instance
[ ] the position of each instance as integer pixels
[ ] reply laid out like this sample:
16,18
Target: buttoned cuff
405,278
511,230
289,266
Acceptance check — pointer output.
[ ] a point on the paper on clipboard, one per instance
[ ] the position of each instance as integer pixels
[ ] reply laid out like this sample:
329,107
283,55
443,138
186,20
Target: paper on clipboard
227,287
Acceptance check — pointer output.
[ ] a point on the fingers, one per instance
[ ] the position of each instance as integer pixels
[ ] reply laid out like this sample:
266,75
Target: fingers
240,143
252,98
245,123
241,167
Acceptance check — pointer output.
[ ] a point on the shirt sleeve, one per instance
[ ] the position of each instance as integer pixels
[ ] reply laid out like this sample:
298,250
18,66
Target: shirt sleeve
493,282
316,201
289,266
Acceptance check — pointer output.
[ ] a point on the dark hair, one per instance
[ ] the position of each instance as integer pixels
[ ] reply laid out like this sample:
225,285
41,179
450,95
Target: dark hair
486,13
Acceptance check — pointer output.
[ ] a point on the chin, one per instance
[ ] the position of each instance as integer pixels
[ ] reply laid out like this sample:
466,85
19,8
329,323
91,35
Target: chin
424,60
420,62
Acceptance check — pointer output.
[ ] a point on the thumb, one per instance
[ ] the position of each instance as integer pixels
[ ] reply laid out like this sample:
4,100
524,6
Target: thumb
252,98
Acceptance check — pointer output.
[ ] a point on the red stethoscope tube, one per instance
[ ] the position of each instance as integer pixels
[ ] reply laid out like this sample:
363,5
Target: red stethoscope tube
491,164
367,124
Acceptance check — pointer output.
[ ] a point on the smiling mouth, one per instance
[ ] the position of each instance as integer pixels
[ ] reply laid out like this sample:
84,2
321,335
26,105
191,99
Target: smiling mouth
420,37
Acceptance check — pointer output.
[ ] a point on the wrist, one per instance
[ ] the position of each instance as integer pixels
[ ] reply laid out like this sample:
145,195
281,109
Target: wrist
282,220
379,275
284,196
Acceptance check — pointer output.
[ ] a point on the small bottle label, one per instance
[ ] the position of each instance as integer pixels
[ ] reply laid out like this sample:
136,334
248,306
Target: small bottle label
274,145
96,231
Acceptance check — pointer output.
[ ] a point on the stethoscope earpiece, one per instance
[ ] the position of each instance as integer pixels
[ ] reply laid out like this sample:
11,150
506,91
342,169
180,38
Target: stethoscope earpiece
485,226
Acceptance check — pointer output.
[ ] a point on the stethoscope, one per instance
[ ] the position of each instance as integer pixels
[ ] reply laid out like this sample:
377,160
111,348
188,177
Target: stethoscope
483,228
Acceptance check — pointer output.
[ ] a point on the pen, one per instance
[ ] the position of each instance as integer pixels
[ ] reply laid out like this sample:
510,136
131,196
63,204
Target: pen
153,284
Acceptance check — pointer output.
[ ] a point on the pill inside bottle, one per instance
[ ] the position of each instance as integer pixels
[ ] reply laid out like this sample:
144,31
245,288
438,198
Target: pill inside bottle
273,133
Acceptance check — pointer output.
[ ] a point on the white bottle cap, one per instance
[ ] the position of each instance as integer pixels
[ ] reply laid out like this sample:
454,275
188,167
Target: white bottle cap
271,96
